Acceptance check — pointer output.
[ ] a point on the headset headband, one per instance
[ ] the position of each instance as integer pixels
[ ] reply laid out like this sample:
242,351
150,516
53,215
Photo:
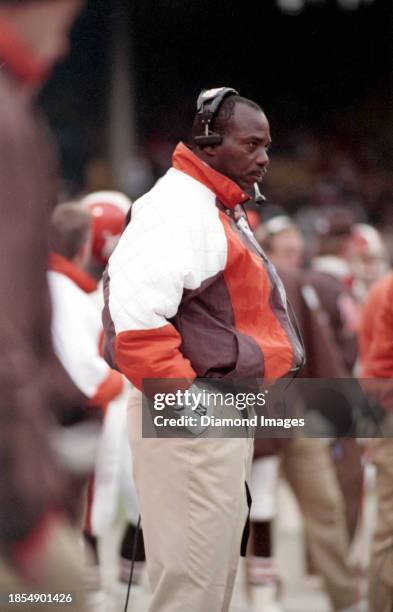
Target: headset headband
208,103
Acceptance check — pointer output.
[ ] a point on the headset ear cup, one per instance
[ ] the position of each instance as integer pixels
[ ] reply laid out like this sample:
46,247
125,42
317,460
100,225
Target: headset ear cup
212,140
208,104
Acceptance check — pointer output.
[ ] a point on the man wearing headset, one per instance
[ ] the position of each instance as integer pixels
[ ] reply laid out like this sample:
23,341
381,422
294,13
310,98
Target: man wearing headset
191,295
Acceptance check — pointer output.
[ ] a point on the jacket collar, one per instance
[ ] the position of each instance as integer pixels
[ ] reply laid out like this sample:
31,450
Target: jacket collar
225,189
58,263
19,58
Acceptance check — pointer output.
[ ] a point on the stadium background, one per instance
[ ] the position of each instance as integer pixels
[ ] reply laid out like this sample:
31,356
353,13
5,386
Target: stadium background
323,74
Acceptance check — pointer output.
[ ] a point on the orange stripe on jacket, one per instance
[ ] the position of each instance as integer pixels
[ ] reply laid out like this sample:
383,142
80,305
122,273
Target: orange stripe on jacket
250,290
152,353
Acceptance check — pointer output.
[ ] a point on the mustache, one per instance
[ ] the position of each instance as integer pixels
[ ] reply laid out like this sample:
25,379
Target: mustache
260,173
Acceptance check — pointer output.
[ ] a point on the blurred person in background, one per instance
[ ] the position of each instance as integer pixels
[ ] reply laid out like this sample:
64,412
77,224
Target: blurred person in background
112,491
376,355
108,211
38,552
370,259
324,199
317,491
282,240
369,312
77,335
332,275
76,325
281,237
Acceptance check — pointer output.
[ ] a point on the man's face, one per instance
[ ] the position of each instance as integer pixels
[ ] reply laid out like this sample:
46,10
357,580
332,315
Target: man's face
243,154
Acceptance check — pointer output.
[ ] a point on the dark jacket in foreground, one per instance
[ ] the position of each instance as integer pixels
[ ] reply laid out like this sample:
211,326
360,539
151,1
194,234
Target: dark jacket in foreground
32,382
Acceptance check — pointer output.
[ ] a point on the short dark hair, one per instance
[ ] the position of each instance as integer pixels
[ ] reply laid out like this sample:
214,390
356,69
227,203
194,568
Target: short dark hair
222,120
69,229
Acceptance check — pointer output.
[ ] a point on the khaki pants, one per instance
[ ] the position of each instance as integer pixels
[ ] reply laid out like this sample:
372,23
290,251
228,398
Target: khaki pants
309,469
381,570
58,568
193,506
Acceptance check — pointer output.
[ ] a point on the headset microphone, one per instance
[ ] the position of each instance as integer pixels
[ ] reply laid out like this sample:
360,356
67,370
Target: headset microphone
258,197
208,103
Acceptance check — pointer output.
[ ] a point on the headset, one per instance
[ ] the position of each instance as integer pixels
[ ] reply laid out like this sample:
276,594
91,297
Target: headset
208,103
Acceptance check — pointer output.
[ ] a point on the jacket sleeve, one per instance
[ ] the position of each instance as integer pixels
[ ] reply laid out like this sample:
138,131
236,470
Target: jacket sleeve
158,257
76,331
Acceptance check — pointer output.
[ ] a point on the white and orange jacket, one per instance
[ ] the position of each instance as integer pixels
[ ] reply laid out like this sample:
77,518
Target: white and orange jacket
189,293
76,331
